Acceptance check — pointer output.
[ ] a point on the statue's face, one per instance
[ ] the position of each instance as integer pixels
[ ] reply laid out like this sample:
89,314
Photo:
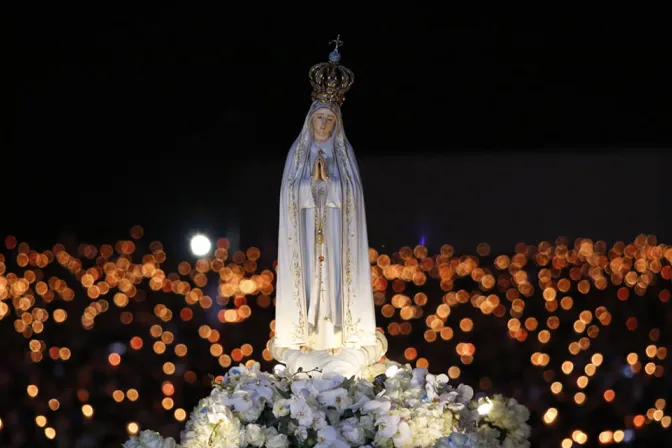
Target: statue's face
323,122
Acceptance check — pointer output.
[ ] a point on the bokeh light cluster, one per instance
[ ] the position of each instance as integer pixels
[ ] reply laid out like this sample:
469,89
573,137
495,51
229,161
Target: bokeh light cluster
105,341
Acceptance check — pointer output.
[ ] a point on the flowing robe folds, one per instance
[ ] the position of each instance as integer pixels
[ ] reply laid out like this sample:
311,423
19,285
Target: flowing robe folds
324,295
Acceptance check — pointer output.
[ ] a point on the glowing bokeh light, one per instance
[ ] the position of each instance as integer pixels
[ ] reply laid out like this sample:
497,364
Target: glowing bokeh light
200,245
132,428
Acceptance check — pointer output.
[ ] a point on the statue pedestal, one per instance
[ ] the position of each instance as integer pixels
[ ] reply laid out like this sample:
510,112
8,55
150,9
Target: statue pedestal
348,363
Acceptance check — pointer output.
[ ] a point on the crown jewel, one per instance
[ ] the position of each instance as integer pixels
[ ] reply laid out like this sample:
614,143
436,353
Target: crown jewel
330,80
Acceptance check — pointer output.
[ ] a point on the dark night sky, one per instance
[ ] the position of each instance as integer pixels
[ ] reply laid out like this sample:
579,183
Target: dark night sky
498,128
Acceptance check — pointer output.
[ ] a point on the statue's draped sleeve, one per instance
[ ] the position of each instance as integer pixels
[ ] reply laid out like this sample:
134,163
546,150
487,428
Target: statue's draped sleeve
359,321
291,329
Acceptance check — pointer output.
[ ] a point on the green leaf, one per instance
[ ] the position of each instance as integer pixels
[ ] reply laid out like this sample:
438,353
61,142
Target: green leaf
348,383
294,441
268,418
283,424
286,394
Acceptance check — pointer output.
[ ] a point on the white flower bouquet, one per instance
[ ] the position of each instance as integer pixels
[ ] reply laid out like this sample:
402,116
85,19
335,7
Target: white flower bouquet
150,439
389,406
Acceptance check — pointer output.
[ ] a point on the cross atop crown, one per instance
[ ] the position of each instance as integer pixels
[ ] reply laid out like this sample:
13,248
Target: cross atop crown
338,42
335,56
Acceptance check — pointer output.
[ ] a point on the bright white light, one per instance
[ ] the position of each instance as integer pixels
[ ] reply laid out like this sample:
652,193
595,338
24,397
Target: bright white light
391,371
200,245
485,408
279,369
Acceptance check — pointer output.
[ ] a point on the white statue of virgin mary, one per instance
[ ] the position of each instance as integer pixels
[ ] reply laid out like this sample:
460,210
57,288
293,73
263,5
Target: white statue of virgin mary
324,298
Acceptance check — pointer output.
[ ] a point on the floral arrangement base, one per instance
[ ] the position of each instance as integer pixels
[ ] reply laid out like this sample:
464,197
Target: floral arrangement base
349,362
388,405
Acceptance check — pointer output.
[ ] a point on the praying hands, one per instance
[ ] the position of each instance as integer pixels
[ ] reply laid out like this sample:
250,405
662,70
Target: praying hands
320,168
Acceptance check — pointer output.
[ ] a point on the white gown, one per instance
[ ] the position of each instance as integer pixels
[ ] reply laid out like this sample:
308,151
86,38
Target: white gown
329,303
320,204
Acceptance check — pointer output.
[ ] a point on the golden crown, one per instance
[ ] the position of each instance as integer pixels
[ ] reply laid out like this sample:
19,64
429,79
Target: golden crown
330,80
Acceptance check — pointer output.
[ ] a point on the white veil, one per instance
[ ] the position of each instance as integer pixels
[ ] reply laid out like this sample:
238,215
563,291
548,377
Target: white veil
358,326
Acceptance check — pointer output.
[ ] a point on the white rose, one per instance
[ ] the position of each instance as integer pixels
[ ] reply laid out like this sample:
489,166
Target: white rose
251,414
151,439
255,435
242,437
509,421
269,431
281,408
510,443
132,443
523,432
277,441
525,413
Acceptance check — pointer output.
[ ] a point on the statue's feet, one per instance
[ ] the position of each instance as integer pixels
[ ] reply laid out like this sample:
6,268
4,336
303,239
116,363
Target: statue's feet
306,348
334,351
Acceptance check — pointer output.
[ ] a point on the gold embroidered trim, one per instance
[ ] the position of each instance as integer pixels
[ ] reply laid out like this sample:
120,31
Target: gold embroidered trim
350,325
300,335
